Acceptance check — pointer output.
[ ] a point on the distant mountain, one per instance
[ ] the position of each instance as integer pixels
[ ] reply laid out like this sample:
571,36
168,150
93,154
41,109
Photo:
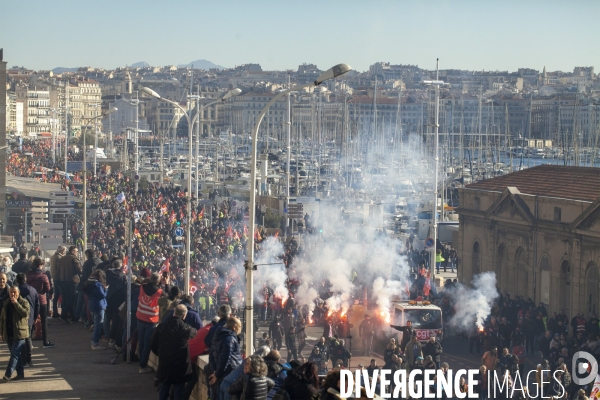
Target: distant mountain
202,64
140,64
60,70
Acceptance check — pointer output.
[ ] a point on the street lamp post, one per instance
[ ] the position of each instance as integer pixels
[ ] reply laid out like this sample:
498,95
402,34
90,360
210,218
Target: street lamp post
191,121
334,72
437,83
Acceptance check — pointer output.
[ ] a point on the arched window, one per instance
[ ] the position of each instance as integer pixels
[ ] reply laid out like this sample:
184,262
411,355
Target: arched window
592,281
476,259
521,273
501,269
545,280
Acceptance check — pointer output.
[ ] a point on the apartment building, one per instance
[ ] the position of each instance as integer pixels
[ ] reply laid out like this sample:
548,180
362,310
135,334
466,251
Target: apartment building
36,109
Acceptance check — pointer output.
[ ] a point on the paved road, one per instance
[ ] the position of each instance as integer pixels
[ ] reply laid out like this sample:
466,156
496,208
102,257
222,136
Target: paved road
72,371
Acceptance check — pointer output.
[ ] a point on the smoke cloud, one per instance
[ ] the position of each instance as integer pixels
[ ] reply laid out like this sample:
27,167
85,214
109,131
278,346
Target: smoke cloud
473,305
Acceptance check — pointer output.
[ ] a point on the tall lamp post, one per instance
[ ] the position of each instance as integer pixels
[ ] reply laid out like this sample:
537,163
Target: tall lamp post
437,83
332,73
110,110
191,121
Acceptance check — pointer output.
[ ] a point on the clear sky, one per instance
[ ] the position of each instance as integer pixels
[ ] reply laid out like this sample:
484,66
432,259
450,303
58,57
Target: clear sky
281,34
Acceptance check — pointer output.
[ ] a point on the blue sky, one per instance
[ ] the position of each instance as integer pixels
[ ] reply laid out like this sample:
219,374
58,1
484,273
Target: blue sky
476,35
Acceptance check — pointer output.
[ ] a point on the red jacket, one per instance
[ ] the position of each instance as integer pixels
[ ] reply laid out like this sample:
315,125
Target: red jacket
39,281
196,344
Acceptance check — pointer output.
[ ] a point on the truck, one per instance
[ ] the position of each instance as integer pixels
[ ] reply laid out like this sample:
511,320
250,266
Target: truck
426,318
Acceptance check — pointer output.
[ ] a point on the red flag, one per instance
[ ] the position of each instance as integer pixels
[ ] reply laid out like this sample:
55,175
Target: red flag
276,234
231,279
193,287
427,286
125,263
229,232
245,231
166,266
257,234
201,215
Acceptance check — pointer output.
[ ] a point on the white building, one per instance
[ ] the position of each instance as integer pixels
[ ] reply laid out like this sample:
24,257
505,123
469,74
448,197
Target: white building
36,109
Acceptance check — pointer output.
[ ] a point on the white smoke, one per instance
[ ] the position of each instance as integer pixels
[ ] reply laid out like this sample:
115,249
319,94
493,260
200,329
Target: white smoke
473,305
271,270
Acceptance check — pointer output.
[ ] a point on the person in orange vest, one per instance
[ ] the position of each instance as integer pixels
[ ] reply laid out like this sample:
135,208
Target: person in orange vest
147,315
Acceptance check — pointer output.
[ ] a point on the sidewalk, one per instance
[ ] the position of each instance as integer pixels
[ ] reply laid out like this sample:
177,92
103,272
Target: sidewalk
71,370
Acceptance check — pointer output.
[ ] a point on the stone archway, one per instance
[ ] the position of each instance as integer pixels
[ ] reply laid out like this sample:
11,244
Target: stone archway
592,278
476,259
565,287
522,276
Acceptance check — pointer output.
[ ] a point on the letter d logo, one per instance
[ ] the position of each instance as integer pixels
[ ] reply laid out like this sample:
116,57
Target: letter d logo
581,368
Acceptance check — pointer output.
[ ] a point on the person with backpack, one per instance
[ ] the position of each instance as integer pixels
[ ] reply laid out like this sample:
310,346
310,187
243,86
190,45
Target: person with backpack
276,371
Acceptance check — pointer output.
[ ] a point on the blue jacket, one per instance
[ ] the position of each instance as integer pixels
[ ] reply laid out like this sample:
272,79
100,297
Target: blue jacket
96,295
29,293
229,380
192,318
229,353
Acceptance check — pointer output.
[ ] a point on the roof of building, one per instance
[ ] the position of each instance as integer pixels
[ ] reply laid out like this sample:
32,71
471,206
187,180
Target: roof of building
577,183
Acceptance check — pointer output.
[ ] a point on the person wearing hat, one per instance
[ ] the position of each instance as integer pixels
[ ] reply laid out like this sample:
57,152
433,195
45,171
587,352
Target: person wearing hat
413,351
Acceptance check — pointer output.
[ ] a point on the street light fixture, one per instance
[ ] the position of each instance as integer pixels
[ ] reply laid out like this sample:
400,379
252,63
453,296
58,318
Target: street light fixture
332,73
191,121
437,83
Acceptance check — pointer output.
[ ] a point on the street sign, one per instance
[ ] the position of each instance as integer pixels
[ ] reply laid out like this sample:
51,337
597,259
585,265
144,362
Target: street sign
46,233
51,225
39,216
179,231
39,203
62,195
178,238
62,211
50,243
246,217
39,209
429,242
57,203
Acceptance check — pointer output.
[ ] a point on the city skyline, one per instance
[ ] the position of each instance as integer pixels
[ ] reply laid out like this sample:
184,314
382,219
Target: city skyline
464,35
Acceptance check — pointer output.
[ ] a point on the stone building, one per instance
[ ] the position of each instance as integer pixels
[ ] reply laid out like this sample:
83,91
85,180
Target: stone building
538,230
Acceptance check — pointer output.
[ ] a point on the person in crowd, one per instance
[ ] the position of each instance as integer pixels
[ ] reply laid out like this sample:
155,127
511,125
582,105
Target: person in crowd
14,320
254,384
413,350
433,348
31,295
331,387
262,351
23,264
228,353
276,333
366,332
170,343
166,303
303,382
116,295
192,317
276,371
60,252
290,344
147,319
69,270
95,289
40,282
88,267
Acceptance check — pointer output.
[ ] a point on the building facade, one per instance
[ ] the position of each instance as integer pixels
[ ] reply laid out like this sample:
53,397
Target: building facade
538,231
